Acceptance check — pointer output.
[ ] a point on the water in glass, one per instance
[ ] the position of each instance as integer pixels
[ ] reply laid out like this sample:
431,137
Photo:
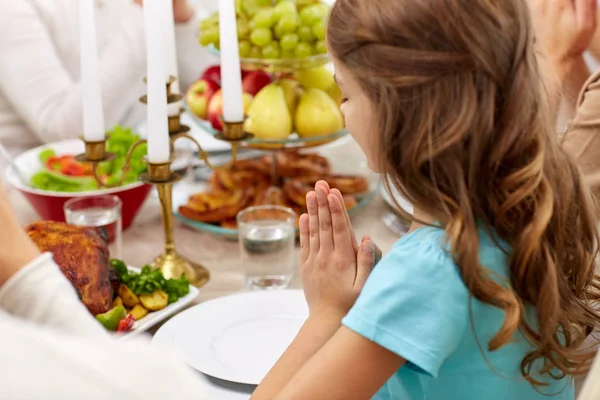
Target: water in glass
267,252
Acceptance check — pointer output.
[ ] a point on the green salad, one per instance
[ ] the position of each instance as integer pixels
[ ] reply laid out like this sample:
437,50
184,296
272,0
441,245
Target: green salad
64,174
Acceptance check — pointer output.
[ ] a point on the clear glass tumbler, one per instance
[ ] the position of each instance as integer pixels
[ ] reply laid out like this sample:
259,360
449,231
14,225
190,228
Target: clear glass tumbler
267,236
102,213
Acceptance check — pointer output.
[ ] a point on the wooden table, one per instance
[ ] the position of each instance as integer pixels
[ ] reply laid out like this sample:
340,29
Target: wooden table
144,239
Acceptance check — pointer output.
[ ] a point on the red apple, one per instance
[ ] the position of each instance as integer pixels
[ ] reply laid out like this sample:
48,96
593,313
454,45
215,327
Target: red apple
198,96
213,73
245,73
255,81
215,109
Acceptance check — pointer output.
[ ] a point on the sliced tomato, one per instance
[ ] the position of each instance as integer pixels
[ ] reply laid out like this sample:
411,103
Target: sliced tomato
126,324
67,165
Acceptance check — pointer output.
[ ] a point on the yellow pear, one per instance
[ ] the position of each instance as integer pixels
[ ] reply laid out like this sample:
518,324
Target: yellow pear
320,78
269,114
317,114
335,93
293,91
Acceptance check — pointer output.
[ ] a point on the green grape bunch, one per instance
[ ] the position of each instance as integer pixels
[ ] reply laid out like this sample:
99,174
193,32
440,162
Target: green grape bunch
273,29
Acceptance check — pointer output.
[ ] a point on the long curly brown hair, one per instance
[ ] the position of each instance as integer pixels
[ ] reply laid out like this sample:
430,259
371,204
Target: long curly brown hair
465,134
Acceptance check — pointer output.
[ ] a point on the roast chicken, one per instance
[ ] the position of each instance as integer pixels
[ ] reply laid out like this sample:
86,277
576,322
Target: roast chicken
83,257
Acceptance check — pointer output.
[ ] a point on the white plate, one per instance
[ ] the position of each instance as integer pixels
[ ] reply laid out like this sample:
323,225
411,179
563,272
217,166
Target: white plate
239,338
155,317
221,390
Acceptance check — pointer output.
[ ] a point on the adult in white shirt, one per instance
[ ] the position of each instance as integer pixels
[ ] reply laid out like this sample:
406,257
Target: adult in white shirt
52,348
40,91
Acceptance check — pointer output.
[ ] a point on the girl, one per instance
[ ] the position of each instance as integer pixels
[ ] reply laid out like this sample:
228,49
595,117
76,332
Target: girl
492,293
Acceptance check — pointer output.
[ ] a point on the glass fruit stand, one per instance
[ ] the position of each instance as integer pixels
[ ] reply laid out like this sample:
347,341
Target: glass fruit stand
290,97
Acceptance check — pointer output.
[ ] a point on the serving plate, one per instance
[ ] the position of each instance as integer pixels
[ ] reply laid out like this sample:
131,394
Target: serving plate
341,165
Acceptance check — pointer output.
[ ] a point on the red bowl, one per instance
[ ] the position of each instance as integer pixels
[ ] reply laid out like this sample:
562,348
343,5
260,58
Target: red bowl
49,204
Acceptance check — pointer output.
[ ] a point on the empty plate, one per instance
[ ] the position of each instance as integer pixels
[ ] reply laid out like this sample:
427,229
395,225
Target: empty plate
239,338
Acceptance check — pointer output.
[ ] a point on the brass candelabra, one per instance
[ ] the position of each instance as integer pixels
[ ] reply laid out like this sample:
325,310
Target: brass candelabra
171,264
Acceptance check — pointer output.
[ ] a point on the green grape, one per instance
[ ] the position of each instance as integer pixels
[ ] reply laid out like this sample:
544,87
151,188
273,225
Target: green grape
319,30
261,37
287,24
306,35
288,54
285,7
245,48
271,51
255,52
291,1
321,47
314,13
264,3
210,21
289,41
209,36
265,18
243,28
250,7
303,50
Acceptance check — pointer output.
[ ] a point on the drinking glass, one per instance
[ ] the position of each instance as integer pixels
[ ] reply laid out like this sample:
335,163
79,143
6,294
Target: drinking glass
102,213
267,237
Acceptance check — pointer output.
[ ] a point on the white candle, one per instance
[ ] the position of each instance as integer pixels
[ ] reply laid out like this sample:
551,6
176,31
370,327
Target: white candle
91,95
174,109
158,128
231,75
170,44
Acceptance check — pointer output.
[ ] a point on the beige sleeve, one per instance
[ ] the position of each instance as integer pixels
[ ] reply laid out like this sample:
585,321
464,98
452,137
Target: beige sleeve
582,140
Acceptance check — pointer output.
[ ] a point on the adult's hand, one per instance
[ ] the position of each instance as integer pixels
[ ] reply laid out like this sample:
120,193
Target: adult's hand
17,250
564,28
182,10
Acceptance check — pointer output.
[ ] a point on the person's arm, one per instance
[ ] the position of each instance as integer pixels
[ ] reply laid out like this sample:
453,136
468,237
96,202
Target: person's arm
563,32
348,367
43,93
38,292
582,140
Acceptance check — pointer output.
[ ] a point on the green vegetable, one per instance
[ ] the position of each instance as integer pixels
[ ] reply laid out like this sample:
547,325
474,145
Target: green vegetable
110,319
47,180
46,154
119,142
149,280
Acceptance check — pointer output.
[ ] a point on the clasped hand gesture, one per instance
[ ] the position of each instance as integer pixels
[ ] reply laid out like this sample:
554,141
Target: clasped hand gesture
334,268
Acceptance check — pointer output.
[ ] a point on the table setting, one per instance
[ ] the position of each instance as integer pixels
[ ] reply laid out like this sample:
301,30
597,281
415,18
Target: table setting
198,207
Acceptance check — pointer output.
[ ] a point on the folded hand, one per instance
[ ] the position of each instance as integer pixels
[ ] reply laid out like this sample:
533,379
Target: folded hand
334,267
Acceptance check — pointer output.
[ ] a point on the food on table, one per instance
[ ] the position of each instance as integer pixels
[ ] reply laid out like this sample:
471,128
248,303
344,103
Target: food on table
198,96
116,296
306,101
138,312
127,297
268,115
248,183
215,108
254,81
317,114
157,300
82,255
274,29
62,173
213,74
110,319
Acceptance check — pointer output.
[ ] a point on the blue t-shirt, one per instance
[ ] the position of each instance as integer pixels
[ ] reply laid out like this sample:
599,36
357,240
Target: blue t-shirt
416,305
